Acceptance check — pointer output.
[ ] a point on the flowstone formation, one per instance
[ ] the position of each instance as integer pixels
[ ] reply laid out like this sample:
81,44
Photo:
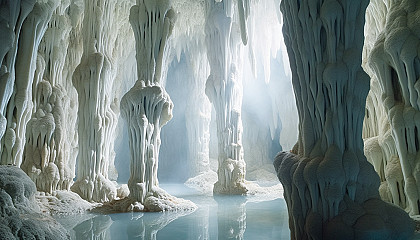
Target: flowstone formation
147,107
330,189
225,36
18,88
15,12
391,57
49,157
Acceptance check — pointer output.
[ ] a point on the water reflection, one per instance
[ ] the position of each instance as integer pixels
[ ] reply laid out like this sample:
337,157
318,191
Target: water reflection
218,217
231,216
147,225
96,228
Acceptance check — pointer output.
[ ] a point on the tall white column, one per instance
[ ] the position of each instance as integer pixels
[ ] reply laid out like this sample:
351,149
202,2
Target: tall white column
97,116
224,90
147,107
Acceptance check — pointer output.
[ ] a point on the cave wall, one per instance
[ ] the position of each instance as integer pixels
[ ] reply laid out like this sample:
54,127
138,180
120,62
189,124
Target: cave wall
326,176
391,58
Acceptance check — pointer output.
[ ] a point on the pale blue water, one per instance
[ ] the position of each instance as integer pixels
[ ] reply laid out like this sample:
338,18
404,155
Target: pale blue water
227,217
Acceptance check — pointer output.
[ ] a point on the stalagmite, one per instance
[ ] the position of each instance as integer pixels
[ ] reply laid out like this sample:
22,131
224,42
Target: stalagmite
147,107
224,90
330,189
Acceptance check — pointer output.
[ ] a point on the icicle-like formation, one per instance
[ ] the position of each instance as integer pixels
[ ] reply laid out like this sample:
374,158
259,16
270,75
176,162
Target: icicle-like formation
243,12
327,178
224,90
392,60
151,47
147,107
14,14
20,106
50,131
198,114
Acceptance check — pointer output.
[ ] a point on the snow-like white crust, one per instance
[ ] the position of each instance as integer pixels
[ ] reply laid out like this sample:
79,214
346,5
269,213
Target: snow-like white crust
20,216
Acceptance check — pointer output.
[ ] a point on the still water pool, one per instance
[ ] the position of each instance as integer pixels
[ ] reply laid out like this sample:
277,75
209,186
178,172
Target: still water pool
223,217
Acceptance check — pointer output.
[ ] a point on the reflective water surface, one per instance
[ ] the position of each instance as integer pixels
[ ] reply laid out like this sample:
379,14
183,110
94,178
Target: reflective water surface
222,217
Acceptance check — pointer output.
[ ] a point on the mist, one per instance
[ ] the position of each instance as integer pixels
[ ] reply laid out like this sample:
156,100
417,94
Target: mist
189,144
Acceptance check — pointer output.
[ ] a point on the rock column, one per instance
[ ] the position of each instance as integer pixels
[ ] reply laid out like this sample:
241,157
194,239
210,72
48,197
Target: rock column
147,107
224,39
97,118
326,177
